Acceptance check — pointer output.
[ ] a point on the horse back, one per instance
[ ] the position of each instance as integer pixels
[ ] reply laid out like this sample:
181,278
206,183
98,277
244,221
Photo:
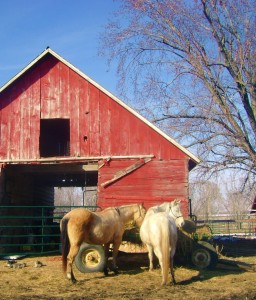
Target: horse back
79,213
154,226
108,223
94,227
79,220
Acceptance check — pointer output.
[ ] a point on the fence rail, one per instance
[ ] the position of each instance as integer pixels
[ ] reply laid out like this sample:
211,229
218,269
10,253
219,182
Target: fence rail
231,225
31,229
35,229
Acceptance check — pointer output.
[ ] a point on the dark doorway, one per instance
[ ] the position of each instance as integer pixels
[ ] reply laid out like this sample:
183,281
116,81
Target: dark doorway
54,137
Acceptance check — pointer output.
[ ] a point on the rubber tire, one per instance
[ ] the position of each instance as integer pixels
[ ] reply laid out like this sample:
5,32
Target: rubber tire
204,256
84,261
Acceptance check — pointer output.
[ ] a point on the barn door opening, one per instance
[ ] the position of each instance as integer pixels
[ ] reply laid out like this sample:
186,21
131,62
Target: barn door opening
38,196
79,194
54,137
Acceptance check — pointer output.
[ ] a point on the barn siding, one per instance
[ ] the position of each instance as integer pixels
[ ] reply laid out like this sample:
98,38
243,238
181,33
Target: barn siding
105,127
98,125
153,183
33,124
74,91
64,94
50,90
95,120
84,120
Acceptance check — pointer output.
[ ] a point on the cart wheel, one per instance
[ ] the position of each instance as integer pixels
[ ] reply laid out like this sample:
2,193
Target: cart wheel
204,256
90,258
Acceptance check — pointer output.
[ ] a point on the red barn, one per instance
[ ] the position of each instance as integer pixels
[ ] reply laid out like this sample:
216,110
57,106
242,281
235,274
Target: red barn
60,128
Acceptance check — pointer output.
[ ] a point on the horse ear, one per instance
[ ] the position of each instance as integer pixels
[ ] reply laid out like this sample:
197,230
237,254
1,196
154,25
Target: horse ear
177,201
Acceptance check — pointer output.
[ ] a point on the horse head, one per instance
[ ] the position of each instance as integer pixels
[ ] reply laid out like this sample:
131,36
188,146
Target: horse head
164,207
139,215
176,213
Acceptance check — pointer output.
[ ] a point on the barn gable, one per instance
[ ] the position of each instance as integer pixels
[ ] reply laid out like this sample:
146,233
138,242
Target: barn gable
51,88
55,120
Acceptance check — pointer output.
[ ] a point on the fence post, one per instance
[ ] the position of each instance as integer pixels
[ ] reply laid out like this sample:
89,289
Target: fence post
42,225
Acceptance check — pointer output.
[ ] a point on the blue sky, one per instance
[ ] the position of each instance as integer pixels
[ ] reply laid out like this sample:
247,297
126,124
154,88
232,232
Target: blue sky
71,28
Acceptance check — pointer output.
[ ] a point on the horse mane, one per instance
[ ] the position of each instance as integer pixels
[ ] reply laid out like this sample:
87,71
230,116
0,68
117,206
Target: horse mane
121,206
128,205
109,208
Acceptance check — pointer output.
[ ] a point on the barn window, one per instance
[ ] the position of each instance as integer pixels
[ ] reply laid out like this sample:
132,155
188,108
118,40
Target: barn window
54,137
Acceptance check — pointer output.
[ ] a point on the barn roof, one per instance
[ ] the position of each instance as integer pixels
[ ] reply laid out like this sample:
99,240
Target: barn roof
57,56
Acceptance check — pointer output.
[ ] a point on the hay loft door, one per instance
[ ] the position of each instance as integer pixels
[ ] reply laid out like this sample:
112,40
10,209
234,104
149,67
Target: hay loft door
54,137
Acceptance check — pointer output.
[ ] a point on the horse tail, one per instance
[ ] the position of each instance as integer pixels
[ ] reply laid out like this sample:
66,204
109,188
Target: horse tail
64,243
165,243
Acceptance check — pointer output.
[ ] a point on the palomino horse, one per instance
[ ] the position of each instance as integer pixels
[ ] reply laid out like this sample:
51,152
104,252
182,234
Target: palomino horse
98,228
159,232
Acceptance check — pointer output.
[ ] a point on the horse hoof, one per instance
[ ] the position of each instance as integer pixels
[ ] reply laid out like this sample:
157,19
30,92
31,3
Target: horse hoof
71,279
105,272
116,271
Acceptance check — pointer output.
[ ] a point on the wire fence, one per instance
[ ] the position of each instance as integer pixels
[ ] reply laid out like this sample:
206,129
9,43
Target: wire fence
231,225
35,230
31,229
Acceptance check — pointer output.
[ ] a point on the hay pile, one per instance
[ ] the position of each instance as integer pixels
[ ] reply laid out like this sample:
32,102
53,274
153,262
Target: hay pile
188,235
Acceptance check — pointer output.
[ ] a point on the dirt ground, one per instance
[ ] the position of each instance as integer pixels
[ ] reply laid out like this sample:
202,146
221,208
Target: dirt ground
133,282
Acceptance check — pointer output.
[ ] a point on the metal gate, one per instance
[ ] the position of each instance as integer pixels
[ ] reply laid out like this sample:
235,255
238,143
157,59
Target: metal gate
31,229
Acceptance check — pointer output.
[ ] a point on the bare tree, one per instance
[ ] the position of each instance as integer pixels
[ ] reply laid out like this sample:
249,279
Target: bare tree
206,198
192,66
68,196
237,202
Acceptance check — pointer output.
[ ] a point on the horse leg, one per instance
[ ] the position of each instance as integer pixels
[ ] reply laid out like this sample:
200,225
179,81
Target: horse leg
116,246
106,249
172,270
70,259
162,263
172,253
150,257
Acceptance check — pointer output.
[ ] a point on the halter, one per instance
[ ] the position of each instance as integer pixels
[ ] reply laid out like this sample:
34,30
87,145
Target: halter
176,217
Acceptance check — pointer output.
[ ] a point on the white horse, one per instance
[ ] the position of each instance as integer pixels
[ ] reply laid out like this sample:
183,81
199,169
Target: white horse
159,232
